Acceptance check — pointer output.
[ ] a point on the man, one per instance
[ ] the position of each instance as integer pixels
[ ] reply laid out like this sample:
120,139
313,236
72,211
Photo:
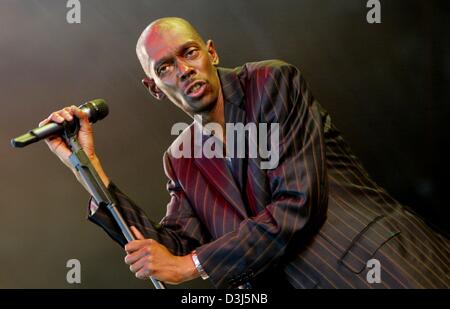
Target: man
315,219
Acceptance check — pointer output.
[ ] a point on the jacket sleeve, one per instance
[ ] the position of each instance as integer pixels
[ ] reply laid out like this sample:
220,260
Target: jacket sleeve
180,231
298,184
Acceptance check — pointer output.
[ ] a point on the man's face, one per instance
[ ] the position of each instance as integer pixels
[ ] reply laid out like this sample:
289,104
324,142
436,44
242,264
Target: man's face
182,67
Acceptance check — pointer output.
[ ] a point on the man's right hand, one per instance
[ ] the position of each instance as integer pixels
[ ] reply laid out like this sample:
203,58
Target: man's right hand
85,137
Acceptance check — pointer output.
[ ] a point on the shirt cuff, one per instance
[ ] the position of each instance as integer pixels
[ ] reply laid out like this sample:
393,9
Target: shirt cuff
92,206
198,265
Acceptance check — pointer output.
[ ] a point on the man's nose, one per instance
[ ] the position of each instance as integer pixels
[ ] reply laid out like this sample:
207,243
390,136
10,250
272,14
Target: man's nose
184,70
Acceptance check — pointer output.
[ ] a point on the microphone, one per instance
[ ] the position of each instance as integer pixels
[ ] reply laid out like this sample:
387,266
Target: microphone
94,109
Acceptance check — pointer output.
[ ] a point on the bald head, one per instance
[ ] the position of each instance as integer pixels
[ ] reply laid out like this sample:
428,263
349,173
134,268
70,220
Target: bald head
158,30
179,65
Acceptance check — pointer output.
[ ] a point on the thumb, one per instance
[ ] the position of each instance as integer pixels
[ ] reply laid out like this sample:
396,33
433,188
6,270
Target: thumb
83,117
136,233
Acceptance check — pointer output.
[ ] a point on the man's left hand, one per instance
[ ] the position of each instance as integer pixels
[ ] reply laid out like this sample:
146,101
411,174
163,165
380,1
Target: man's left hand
147,257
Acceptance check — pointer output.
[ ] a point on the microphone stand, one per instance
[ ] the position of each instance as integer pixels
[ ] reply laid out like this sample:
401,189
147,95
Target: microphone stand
80,161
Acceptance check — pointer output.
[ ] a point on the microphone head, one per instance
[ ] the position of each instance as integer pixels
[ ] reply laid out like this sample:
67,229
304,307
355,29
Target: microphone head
95,109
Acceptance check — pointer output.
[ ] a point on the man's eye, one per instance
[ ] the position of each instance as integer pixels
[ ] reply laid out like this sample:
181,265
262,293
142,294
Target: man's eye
162,69
191,52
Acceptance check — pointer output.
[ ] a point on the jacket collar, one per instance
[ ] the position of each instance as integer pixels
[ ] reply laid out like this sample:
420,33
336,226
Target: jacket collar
231,86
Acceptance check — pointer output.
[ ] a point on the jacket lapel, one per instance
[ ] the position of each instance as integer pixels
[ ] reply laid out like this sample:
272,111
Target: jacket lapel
219,176
215,169
234,113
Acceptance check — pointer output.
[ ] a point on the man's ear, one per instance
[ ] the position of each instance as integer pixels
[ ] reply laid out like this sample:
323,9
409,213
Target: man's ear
150,85
212,53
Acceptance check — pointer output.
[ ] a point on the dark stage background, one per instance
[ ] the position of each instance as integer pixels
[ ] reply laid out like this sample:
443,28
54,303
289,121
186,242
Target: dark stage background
385,85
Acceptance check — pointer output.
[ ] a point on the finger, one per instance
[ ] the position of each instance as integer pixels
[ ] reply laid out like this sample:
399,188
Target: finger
69,110
144,273
139,264
85,125
132,258
56,117
136,233
78,112
66,115
134,245
54,141
44,122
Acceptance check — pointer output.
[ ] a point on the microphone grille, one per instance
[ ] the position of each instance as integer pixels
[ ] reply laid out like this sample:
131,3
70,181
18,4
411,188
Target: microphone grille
96,109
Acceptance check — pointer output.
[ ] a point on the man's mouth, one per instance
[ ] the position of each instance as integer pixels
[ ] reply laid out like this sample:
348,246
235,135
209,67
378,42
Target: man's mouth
196,89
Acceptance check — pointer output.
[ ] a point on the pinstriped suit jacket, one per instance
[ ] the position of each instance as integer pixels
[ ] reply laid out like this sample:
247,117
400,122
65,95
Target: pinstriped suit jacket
315,220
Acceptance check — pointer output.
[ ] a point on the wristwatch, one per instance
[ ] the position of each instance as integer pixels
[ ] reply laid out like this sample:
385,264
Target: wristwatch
199,267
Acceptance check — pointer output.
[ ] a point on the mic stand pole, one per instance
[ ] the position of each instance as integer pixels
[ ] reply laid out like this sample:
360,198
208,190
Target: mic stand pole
100,193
